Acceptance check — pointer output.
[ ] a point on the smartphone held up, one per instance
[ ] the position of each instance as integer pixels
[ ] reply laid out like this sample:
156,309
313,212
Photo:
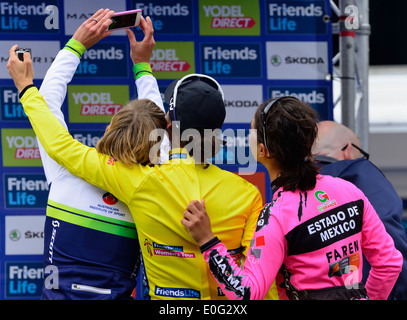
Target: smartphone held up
125,19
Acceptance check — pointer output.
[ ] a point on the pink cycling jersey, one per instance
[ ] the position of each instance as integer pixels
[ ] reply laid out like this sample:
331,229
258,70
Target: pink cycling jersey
312,242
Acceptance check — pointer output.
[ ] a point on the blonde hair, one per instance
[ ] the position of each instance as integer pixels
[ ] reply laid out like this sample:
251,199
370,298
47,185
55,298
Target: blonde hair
128,137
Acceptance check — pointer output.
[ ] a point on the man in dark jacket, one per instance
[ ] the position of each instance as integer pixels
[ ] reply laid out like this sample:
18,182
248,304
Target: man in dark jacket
338,153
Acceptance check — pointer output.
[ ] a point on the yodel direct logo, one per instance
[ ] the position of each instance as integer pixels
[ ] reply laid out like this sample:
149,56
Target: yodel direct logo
167,60
234,18
228,17
172,60
20,148
90,103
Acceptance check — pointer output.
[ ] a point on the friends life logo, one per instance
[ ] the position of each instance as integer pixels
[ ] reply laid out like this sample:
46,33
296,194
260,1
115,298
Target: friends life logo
25,191
104,60
24,279
237,17
89,138
231,60
24,16
318,97
168,17
10,106
297,17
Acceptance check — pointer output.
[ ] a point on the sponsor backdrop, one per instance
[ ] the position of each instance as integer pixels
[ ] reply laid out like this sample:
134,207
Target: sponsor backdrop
255,49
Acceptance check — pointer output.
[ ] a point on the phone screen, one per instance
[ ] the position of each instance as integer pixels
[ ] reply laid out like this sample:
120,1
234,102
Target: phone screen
124,21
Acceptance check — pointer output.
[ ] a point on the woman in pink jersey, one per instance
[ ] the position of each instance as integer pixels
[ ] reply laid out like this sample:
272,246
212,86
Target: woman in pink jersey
312,235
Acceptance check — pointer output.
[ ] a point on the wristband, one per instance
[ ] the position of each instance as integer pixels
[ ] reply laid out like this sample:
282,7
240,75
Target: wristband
141,69
25,89
76,47
206,246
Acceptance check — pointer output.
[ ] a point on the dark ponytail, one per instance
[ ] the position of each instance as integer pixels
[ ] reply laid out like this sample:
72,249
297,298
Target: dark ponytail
291,129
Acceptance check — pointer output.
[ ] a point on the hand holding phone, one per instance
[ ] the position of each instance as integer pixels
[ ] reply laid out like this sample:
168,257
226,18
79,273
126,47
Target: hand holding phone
22,73
93,29
20,53
125,19
141,51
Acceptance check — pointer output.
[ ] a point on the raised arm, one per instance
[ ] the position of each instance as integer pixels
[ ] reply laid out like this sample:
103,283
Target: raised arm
53,89
100,170
61,72
147,87
140,53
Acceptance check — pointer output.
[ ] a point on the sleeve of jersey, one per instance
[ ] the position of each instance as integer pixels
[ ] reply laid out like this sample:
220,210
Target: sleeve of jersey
250,226
257,204
266,255
81,160
53,89
378,247
147,88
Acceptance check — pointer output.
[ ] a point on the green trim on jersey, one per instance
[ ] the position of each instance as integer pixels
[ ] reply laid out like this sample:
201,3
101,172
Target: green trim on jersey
90,220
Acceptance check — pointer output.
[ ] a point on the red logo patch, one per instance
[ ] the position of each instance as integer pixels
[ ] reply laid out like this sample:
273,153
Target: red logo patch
260,241
109,199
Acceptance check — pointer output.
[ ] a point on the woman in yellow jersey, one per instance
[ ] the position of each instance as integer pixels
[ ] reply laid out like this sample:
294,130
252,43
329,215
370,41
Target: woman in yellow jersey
157,195
105,266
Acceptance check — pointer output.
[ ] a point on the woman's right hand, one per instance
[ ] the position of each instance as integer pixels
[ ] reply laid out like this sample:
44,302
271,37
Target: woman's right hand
197,222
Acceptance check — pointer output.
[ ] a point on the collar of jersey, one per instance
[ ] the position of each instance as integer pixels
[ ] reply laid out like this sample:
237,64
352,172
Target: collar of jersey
179,153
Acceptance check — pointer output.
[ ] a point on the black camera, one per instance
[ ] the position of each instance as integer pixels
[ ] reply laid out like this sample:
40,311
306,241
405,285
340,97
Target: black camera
20,53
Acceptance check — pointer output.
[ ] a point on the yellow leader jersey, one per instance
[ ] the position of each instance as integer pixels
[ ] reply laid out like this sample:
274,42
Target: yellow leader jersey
157,197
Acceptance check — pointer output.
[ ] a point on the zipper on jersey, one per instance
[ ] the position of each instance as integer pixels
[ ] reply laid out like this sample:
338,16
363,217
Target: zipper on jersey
81,287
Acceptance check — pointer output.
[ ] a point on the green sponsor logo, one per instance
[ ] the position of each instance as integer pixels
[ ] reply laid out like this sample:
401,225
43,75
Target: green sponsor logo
20,148
321,196
234,18
96,104
173,60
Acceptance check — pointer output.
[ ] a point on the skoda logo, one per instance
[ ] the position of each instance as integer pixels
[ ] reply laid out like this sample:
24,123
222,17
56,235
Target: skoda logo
275,60
15,235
